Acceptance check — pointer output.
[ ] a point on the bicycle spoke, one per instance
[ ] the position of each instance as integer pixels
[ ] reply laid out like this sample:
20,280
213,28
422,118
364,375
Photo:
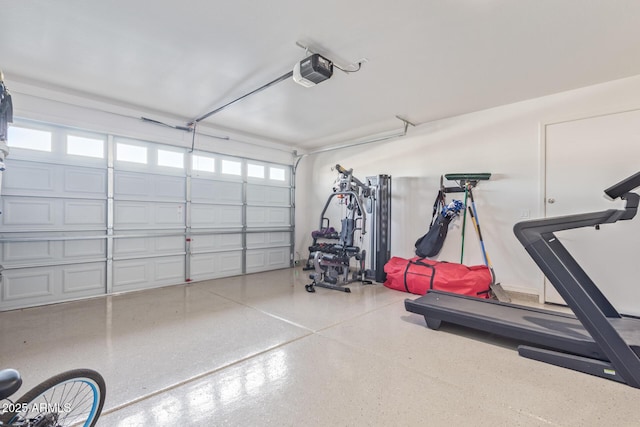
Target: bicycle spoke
72,401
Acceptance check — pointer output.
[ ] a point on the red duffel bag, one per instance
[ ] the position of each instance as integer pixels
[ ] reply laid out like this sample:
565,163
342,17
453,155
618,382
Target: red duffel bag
417,275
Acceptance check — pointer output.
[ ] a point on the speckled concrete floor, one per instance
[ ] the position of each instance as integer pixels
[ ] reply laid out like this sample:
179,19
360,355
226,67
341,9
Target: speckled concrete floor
260,350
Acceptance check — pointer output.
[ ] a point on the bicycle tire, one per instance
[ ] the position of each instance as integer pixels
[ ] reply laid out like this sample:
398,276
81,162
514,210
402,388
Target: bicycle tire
74,397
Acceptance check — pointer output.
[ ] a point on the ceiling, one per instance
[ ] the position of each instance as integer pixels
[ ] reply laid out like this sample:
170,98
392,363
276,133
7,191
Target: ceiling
424,59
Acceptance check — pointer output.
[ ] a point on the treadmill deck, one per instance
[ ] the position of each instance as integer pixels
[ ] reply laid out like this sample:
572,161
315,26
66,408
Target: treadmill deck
546,328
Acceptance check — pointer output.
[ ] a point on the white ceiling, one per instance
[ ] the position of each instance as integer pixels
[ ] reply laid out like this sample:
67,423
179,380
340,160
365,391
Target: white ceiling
426,59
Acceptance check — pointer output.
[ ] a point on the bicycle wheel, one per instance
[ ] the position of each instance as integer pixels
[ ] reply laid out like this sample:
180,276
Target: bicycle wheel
72,398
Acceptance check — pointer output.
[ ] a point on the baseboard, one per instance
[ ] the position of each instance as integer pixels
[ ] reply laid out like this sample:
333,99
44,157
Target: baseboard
523,296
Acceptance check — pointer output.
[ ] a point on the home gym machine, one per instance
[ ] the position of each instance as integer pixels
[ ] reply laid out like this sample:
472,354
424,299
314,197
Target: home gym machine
596,339
331,261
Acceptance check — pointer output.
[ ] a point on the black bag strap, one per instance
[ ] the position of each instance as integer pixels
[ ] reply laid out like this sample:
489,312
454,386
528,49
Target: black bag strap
420,263
438,204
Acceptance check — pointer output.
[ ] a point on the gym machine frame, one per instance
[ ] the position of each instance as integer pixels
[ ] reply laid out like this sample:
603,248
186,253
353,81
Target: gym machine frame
331,263
596,339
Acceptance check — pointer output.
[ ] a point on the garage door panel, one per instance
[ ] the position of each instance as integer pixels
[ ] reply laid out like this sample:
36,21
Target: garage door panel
130,214
230,216
169,214
50,180
169,244
84,277
83,248
214,265
27,284
25,176
18,212
203,266
215,242
84,182
141,186
23,287
32,214
256,260
267,259
130,274
259,240
169,271
20,252
268,216
230,262
129,247
278,257
85,213
147,273
265,195
212,191
130,184
169,188
203,216
256,216
147,215
215,216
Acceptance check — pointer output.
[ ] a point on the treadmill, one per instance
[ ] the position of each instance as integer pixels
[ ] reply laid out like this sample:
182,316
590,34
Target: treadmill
595,339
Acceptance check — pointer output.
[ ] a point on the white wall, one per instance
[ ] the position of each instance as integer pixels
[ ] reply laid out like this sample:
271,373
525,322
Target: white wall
505,141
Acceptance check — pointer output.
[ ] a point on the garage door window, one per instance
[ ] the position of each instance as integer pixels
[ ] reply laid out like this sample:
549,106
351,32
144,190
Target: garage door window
131,153
277,174
31,139
172,159
255,171
204,164
231,167
87,147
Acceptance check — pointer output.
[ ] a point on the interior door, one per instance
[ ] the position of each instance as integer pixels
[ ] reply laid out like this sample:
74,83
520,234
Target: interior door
583,157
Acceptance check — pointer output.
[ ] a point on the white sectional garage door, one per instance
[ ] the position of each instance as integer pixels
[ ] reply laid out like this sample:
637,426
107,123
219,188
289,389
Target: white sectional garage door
216,223
88,214
54,220
149,202
268,219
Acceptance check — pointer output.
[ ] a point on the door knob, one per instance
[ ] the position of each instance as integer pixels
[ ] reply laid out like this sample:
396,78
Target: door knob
551,200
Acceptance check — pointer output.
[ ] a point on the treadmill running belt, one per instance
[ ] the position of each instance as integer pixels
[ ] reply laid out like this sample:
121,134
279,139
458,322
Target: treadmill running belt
547,328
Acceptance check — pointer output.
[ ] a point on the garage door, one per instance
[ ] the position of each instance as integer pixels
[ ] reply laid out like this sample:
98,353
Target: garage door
85,214
268,213
149,202
217,222
54,217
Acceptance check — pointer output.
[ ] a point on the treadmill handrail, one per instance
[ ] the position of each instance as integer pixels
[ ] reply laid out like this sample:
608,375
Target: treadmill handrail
626,185
529,231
